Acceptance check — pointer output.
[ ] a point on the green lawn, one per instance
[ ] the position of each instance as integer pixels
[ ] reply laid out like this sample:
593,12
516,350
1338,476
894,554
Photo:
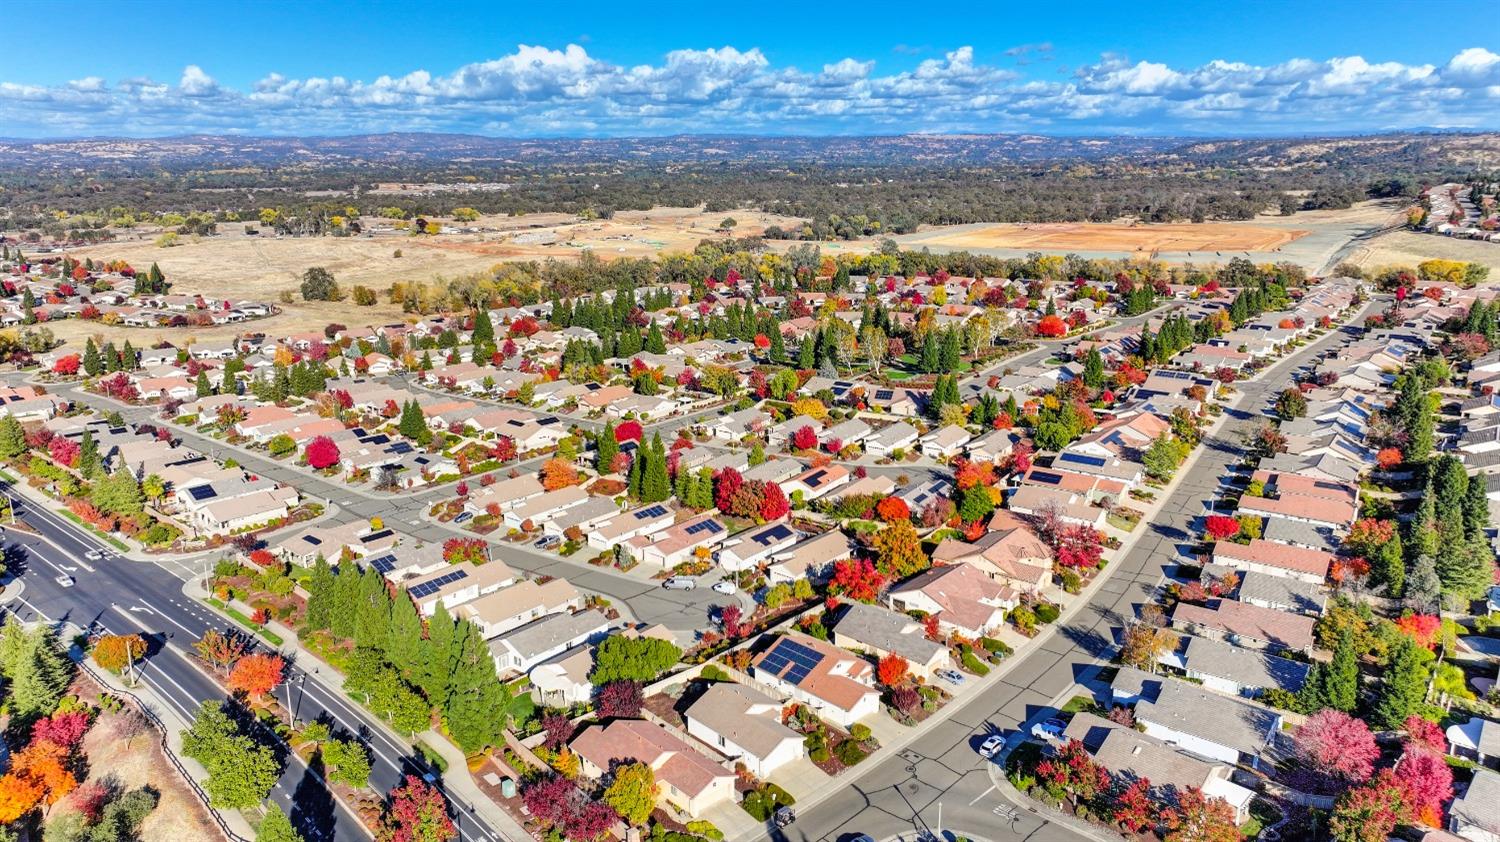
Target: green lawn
1079,704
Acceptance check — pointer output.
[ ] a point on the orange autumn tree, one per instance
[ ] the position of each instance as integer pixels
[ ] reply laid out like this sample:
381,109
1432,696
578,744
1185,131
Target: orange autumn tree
48,765
115,652
558,473
891,670
19,795
892,509
256,675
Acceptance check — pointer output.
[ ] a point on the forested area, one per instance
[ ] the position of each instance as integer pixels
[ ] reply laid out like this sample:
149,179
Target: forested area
841,196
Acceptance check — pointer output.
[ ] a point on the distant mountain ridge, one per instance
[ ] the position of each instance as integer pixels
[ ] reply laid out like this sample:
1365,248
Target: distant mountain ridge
193,151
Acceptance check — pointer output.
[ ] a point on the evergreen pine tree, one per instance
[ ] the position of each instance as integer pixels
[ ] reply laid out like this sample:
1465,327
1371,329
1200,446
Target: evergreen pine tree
474,709
1389,566
204,388
1476,508
778,345
607,448
128,357
654,341
1403,684
1093,369
951,352
404,640
633,476
1423,587
88,454
703,489
320,589
655,486
484,329
343,608
42,677
438,657
93,366
807,353
372,620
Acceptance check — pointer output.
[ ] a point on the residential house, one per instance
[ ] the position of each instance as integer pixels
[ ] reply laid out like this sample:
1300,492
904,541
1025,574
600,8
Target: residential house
1475,815
1273,559
891,438
1133,756
672,546
945,443
811,559
964,599
1229,669
685,779
520,649
1207,724
1245,625
837,685
457,584
499,611
754,546
879,631
744,725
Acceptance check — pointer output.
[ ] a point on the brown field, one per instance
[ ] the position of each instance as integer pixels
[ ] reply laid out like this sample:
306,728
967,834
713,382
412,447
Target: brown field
1177,237
261,267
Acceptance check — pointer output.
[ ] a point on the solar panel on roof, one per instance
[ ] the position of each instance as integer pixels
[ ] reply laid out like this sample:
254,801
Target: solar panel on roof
401,447
313,539
814,478
1081,459
376,536
432,587
654,511
383,564
1045,476
884,394
202,492
776,533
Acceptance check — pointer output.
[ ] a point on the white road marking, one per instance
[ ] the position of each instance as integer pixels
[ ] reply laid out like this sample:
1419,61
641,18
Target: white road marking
982,794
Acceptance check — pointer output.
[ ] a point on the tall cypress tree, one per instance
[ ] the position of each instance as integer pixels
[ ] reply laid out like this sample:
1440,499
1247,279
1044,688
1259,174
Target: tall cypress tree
343,608
654,341
484,329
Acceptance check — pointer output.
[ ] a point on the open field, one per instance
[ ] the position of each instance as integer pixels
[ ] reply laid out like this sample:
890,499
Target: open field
1061,236
1313,239
260,267
1408,248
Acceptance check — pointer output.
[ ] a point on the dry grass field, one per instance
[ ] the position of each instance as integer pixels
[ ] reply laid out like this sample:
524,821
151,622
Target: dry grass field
260,267
1064,237
1408,248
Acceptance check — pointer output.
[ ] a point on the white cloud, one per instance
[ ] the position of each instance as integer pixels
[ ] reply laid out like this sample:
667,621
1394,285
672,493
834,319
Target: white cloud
541,90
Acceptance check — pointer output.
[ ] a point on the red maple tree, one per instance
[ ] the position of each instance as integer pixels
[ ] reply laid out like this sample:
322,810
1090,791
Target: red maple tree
1221,527
891,670
257,674
322,453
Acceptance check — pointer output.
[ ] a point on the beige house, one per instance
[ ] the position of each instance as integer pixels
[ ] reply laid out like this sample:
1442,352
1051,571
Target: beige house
686,779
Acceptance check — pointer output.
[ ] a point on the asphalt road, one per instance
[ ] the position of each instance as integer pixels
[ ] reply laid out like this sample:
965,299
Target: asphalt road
902,792
126,597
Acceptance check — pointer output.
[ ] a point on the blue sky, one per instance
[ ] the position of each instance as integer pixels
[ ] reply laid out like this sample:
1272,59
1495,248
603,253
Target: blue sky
593,69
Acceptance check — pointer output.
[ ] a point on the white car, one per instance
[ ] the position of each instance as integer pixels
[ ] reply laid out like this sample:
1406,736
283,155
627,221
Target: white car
725,586
991,746
680,583
66,581
94,555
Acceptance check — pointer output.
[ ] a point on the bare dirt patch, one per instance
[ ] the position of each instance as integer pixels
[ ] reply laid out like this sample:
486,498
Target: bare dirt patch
1177,237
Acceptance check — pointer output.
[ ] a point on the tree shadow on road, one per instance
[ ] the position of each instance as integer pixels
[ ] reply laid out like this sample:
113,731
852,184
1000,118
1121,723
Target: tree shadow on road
313,809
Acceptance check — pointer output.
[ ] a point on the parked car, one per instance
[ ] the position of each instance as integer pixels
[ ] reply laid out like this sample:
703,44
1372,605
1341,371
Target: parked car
548,542
1050,729
725,586
783,816
991,746
463,516
953,677
680,583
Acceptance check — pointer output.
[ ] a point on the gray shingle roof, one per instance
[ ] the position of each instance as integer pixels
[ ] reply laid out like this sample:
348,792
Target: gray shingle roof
1245,667
888,630
1480,804
1228,722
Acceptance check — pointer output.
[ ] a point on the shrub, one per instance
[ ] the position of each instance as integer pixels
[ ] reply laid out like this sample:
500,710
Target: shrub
1046,613
850,753
971,661
998,647
859,732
